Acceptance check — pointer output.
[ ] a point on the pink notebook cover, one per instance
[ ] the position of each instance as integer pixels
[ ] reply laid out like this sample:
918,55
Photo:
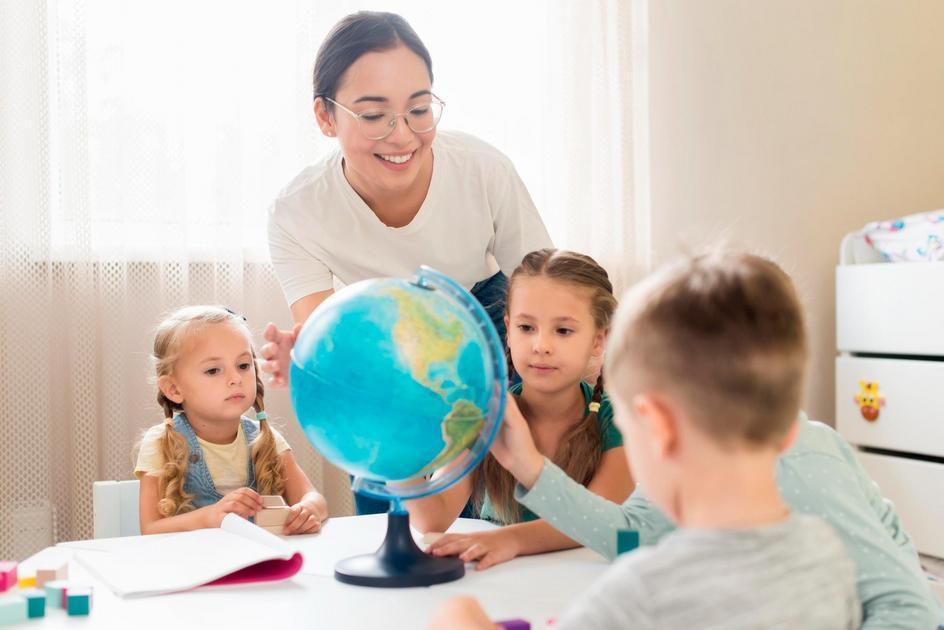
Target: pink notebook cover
267,571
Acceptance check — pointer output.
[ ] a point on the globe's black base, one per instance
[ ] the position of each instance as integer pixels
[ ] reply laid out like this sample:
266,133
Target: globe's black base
399,562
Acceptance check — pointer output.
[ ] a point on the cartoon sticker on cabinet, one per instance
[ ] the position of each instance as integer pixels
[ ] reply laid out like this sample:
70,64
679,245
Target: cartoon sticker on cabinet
869,400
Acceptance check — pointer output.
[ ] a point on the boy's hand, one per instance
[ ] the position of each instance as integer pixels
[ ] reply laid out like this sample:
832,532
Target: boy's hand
276,353
514,446
244,502
305,517
460,612
488,548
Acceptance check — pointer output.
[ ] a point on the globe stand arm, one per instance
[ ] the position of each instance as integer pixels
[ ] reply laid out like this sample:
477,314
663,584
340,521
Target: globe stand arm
399,562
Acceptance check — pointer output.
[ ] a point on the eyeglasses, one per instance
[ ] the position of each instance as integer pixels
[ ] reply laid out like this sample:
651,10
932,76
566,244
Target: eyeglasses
377,124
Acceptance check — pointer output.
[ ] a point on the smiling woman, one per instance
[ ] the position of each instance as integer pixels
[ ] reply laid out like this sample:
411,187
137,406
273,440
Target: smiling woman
396,194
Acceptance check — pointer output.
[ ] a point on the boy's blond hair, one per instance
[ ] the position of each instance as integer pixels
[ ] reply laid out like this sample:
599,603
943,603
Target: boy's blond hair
723,334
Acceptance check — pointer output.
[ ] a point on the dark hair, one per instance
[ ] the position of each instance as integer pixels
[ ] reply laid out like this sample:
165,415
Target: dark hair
355,35
724,334
581,448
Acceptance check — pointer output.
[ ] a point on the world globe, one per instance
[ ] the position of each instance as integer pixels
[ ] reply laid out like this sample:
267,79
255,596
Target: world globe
402,384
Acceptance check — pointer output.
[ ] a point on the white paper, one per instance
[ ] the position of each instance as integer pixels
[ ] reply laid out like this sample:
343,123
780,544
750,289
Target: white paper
177,562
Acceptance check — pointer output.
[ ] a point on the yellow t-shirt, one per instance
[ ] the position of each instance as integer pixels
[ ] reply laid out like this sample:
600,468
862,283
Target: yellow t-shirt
228,463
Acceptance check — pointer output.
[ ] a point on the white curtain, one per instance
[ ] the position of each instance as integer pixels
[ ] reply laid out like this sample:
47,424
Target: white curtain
140,144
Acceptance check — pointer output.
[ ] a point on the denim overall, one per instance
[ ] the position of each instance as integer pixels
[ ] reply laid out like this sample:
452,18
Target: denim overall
491,294
199,483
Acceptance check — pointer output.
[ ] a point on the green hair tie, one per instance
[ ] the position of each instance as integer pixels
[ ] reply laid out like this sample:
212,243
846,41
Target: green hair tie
261,416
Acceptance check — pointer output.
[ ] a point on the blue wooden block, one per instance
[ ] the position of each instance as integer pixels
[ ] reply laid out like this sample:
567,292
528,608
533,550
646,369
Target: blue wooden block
79,600
35,602
626,540
12,609
55,591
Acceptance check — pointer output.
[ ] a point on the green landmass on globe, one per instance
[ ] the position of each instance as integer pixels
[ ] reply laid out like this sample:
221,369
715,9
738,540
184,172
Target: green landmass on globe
426,338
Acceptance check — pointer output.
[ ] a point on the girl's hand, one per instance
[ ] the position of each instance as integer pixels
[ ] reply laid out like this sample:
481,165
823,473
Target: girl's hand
244,502
488,548
305,517
514,447
276,353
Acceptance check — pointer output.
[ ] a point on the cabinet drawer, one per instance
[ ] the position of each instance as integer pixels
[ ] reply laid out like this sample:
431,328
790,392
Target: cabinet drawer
889,308
908,411
915,489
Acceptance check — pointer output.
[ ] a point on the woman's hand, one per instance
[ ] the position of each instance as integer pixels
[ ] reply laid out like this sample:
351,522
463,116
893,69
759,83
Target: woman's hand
305,517
276,353
514,448
244,502
487,548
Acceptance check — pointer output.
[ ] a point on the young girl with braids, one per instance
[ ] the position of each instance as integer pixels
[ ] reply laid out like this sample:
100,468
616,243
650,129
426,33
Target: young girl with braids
207,459
557,316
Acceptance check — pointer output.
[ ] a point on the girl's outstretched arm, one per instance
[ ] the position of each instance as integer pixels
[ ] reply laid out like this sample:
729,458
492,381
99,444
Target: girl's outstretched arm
309,508
610,482
437,512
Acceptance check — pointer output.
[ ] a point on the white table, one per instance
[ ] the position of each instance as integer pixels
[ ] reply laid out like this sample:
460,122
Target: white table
536,588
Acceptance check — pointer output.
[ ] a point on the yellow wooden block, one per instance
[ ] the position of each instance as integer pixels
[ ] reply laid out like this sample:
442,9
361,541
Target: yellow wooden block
27,581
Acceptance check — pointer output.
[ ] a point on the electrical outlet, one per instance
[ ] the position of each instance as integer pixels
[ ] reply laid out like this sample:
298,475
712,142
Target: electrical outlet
31,529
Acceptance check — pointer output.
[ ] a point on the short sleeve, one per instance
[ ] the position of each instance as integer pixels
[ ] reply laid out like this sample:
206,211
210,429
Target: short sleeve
149,458
610,436
280,443
299,271
518,226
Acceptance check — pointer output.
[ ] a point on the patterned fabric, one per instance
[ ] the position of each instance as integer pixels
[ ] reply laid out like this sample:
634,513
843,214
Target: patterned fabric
914,238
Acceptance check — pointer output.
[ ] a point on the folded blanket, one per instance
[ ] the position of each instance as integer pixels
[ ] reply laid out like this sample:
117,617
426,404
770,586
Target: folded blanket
916,237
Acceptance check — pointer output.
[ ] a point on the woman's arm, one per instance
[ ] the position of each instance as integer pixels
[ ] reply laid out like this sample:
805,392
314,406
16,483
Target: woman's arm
309,508
280,342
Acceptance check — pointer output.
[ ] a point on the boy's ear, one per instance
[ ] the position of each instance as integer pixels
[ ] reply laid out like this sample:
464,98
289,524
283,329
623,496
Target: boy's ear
790,437
663,427
169,388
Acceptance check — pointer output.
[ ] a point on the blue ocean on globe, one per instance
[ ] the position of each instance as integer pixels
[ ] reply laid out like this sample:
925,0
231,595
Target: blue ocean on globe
393,379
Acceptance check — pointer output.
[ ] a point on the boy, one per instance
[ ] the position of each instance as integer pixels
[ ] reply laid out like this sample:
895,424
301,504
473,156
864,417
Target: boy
706,362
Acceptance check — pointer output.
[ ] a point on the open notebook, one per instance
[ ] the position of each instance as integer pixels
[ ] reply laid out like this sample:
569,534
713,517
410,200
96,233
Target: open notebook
237,552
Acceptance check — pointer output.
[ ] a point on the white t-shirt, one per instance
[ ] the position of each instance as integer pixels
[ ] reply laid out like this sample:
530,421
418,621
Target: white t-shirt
477,218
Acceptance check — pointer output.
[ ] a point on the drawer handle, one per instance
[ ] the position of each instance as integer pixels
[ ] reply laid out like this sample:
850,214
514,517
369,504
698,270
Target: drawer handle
869,400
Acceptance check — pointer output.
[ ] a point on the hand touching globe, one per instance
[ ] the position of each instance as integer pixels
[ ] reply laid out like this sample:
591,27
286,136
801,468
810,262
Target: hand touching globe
392,380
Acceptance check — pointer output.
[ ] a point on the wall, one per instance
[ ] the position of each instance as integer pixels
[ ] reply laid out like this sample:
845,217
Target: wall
782,125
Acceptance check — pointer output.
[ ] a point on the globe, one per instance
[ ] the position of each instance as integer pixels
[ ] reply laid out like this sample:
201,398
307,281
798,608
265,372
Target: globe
401,383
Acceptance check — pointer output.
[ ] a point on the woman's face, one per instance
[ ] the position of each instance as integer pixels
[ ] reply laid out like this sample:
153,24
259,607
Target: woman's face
395,80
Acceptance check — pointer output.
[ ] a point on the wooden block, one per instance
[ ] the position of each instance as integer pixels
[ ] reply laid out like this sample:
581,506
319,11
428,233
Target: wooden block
273,500
273,516
7,575
35,602
48,573
79,600
626,540
26,581
55,593
13,609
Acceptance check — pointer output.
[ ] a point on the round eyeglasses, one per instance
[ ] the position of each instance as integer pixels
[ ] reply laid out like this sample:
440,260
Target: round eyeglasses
377,124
